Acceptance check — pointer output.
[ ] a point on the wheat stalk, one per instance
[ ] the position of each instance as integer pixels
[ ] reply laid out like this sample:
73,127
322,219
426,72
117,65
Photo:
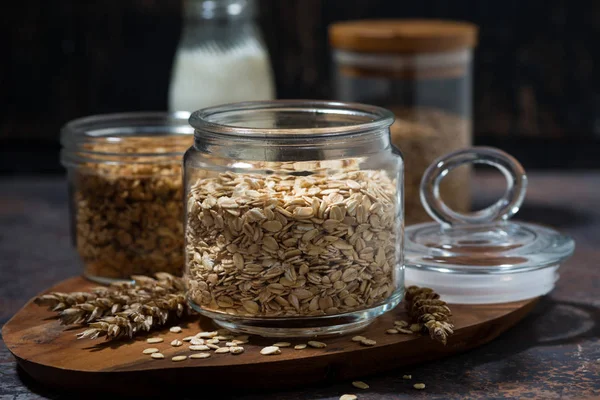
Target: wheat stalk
432,314
138,317
123,308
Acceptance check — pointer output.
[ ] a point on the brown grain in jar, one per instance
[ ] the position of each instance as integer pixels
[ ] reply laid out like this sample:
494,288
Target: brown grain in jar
126,192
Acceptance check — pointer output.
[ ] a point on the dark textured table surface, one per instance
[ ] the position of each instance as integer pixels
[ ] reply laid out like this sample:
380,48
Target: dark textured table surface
553,353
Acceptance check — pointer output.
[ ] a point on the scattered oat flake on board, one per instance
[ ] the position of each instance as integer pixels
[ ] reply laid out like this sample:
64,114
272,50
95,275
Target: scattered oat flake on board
419,386
176,343
392,331
407,377
236,350
204,335
358,338
199,347
222,350
179,358
348,397
150,350
300,346
154,340
401,324
157,356
188,338
317,345
360,385
200,355
282,344
175,329
270,350
368,342
197,341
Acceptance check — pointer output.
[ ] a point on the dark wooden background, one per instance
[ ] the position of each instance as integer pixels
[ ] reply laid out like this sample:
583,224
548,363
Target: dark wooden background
537,90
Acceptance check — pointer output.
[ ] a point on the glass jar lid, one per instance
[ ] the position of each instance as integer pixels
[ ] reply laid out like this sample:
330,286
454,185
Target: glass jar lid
482,257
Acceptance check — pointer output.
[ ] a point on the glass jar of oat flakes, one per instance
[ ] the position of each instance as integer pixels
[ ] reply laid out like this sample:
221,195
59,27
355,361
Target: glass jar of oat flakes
421,70
294,221
126,192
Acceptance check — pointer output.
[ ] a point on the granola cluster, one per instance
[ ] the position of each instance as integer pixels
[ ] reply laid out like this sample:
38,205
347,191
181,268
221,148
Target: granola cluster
128,215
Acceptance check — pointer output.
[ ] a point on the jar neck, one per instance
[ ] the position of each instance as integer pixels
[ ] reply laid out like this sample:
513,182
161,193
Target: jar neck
127,138
293,149
219,10
439,65
291,130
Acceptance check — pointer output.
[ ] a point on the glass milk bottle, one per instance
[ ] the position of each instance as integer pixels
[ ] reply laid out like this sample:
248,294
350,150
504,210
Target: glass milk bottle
221,57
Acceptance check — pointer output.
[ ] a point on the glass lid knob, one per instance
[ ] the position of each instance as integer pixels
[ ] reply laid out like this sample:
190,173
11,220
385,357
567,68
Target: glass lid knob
481,257
503,209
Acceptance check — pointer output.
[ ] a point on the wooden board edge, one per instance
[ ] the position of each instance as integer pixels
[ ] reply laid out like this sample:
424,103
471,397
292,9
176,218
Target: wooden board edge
151,382
6,331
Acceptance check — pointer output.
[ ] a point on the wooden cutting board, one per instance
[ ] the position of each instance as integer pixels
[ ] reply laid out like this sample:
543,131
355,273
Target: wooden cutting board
50,353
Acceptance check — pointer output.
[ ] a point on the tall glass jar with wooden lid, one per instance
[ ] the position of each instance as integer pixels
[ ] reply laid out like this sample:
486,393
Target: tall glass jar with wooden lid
421,70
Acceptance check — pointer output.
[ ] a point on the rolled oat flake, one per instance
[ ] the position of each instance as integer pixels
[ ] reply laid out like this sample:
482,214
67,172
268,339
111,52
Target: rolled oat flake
200,355
270,350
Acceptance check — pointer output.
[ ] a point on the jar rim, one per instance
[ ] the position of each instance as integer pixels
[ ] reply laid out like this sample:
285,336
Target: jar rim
117,125
290,119
80,136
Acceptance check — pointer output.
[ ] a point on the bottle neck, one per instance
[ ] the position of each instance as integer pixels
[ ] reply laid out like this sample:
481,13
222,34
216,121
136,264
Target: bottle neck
222,10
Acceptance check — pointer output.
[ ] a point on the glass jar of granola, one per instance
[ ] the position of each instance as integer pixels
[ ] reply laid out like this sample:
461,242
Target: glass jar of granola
126,192
294,217
421,70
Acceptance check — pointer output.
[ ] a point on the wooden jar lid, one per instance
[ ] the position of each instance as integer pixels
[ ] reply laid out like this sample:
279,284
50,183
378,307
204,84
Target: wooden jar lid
408,36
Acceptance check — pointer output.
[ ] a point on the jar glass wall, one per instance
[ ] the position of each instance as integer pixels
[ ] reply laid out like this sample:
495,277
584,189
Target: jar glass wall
126,192
421,71
294,218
